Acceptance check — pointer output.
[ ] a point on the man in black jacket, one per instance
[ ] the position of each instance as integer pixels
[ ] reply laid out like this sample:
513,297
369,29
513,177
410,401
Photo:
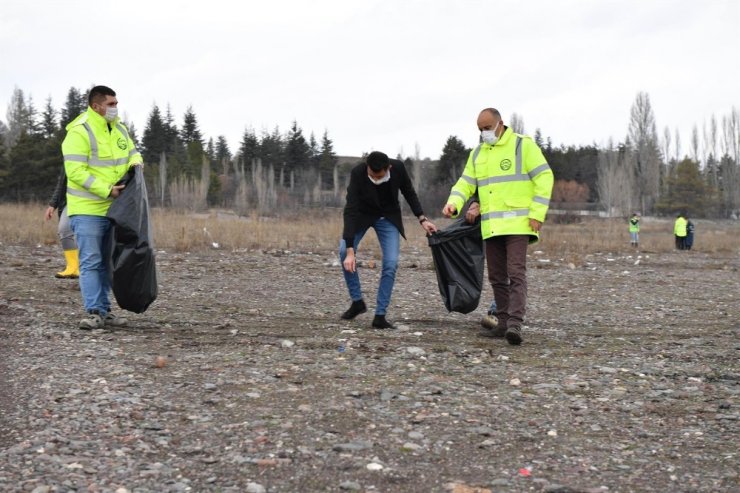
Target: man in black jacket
372,201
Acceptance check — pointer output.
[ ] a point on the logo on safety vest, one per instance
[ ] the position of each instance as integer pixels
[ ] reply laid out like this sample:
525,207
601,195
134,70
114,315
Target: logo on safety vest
505,164
122,143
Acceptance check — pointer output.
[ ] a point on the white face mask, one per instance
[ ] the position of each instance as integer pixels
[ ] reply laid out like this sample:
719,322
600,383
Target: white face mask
489,136
110,113
382,180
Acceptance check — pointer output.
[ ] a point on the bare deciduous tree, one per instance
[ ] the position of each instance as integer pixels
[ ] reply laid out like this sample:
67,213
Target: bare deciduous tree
615,180
646,155
516,122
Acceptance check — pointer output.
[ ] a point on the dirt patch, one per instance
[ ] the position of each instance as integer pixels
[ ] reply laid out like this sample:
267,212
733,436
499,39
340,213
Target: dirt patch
241,377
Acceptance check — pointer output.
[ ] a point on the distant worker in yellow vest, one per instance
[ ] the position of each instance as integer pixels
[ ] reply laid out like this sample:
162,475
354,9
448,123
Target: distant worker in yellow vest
514,185
635,230
679,230
98,152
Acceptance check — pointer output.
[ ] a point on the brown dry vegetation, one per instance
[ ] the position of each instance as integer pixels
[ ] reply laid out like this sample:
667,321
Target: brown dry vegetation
320,229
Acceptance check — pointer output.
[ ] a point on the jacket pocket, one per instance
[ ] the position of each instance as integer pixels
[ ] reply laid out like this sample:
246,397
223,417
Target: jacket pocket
517,203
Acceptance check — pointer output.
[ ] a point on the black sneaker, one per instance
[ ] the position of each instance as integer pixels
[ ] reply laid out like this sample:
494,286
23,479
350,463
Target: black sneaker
514,335
355,309
379,322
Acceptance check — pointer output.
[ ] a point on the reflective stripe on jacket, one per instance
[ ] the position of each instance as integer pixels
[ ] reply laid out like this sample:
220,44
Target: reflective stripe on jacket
514,184
96,156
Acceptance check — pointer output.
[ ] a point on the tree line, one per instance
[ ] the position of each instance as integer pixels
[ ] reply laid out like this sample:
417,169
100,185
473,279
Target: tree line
275,170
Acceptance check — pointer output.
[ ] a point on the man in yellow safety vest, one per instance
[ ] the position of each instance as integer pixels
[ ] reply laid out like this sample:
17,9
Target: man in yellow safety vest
98,152
514,185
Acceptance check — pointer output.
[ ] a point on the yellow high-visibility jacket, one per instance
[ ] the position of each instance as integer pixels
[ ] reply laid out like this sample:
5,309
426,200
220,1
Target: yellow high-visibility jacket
679,227
96,156
514,184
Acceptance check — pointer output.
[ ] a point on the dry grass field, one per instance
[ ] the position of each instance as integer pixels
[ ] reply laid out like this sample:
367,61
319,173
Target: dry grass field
320,229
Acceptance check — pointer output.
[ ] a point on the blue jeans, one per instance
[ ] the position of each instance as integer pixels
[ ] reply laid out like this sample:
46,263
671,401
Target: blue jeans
390,244
94,241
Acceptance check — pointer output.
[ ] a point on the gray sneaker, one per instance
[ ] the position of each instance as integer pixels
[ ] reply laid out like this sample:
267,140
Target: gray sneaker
92,321
113,320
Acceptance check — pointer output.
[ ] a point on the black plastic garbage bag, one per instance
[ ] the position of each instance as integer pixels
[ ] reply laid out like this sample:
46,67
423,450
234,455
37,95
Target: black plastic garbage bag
459,258
134,270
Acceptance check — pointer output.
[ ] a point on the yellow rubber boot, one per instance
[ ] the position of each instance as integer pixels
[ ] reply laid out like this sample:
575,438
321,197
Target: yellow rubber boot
73,265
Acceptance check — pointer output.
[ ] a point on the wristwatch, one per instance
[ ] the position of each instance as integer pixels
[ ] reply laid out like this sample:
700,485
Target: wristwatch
422,219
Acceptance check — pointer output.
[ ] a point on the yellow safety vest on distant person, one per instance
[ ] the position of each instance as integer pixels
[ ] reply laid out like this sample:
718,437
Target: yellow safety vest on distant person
634,225
679,228
514,184
96,156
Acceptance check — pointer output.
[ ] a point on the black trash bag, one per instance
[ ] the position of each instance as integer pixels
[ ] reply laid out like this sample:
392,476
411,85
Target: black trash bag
134,271
459,258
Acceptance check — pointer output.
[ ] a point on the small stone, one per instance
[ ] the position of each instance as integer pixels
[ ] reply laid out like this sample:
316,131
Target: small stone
415,435
410,446
352,446
160,362
41,489
415,351
515,382
350,486
482,430
255,488
287,343
374,466
552,433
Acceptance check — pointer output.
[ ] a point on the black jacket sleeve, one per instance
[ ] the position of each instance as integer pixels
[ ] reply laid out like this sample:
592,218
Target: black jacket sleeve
407,189
351,210
58,198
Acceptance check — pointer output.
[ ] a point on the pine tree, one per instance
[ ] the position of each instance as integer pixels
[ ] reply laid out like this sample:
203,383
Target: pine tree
48,120
30,177
190,131
75,104
297,153
272,148
4,161
687,191
250,147
154,141
451,162
211,151
538,138
222,149
172,136
327,162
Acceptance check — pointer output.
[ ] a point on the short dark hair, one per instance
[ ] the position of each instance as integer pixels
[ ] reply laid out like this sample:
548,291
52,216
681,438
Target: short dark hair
493,111
98,94
377,161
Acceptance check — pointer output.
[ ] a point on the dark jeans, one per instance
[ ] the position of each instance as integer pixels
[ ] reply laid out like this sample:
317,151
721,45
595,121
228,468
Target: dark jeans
506,257
680,242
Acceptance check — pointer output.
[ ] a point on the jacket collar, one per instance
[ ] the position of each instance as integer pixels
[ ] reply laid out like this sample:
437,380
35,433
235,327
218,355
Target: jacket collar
95,120
503,140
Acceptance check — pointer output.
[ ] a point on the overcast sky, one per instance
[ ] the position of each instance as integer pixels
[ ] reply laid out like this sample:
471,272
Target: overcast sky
383,75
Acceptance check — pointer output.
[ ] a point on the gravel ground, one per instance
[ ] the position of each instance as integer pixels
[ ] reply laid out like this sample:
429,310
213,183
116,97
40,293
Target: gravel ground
241,377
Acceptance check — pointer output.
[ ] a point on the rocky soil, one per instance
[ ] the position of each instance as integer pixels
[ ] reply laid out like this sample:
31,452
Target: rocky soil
242,378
